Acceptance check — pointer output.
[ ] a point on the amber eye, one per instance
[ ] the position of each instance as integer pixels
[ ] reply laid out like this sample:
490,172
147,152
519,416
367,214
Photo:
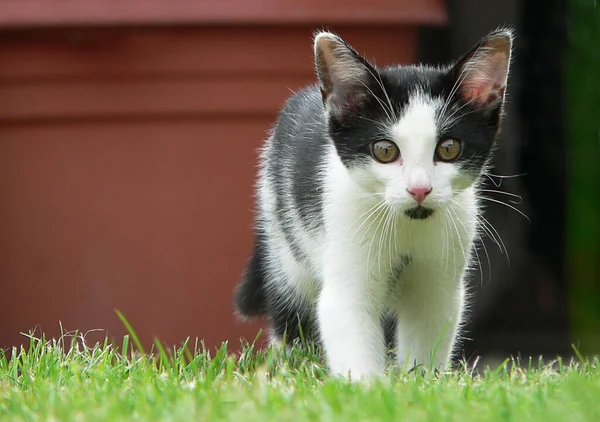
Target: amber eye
448,150
385,151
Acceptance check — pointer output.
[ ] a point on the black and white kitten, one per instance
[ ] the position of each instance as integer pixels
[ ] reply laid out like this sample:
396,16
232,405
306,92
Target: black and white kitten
367,205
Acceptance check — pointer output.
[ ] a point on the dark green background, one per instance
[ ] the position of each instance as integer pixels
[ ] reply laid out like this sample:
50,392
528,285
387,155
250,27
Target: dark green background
582,89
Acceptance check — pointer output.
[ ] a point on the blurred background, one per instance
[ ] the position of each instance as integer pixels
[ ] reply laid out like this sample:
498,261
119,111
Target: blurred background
128,138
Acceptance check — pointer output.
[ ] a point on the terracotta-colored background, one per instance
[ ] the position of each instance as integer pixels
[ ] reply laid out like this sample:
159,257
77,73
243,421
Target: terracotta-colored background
127,160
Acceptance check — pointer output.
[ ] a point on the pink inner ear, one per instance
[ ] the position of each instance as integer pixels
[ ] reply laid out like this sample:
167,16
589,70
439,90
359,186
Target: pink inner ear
486,80
482,92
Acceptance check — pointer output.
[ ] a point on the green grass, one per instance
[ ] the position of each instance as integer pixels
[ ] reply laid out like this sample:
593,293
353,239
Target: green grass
66,379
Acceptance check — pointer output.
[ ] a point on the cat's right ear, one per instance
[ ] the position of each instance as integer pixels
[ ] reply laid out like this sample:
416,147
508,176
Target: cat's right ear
343,74
481,75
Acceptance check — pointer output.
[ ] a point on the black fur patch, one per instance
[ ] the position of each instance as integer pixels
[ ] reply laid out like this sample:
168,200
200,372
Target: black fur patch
419,213
250,298
292,322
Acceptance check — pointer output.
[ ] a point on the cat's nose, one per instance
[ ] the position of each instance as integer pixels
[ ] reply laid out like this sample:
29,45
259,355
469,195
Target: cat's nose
420,193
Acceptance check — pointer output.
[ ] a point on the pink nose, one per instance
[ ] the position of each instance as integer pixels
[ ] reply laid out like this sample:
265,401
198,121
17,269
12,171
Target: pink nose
419,193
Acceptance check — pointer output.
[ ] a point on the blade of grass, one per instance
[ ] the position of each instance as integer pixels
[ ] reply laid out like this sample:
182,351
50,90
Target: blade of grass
131,332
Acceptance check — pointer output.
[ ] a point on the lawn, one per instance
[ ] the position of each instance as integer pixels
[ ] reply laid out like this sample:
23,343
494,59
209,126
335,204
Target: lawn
66,379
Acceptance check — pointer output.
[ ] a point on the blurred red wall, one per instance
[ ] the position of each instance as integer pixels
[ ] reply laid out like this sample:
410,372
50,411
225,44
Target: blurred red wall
127,162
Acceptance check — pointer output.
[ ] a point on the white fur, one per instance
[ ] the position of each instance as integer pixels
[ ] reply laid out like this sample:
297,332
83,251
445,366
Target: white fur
367,234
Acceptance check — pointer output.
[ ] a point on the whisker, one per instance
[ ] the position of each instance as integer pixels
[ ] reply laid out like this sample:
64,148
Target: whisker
509,176
506,205
519,197
382,221
488,229
448,122
380,82
390,237
367,229
493,234
373,210
463,75
477,253
371,246
498,184
381,103
474,248
445,240
453,248
465,257
488,259
385,236
449,118
397,233
379,124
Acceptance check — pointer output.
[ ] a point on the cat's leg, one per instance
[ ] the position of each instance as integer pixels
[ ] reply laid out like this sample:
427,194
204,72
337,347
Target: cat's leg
349,316
292,320
429,308
290,290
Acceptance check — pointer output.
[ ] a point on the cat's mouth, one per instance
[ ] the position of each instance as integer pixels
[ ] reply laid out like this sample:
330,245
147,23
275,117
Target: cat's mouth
418,213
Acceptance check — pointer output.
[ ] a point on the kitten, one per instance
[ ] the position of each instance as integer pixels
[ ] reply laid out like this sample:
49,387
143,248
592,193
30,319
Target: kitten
367,205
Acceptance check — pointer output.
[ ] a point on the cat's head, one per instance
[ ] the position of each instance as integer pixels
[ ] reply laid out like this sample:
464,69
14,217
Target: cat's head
415,135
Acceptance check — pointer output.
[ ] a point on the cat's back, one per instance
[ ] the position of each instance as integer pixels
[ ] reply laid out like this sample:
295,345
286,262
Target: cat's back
292,159
300,124
294,152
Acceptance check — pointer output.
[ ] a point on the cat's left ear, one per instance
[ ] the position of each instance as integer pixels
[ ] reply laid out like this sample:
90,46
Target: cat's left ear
343,74
481,75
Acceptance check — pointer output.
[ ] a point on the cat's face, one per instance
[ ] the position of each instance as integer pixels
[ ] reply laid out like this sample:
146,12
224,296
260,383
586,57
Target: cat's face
415,136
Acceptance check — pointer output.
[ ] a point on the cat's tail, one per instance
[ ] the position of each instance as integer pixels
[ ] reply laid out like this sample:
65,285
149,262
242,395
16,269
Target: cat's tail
250,298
